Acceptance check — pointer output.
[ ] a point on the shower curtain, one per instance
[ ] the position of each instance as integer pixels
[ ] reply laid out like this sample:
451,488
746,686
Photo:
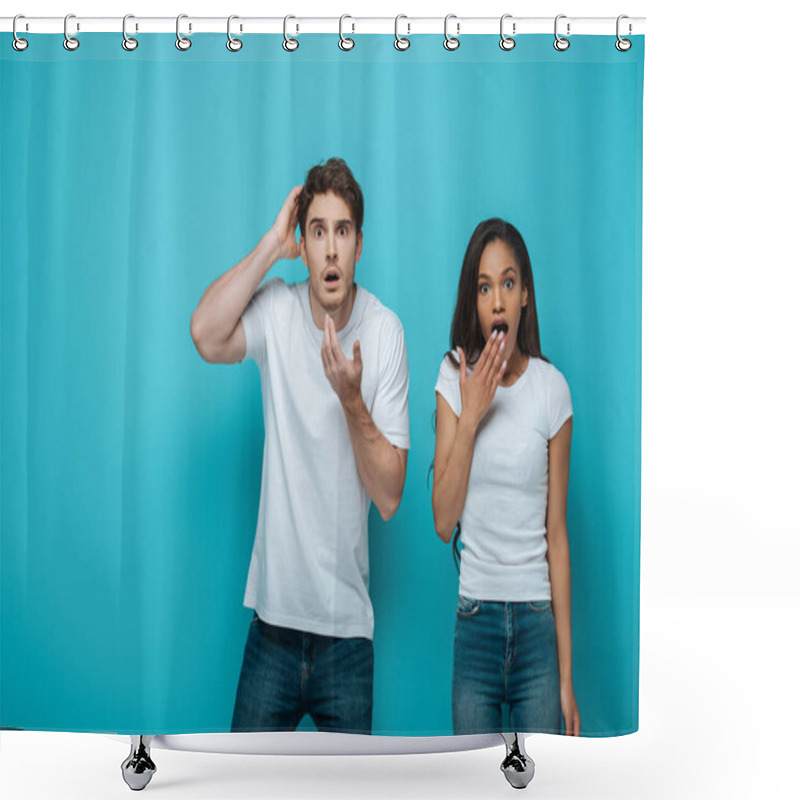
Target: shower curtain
130,468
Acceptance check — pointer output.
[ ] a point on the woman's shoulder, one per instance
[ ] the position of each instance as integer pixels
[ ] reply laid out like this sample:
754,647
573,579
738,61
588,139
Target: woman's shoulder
548,371
450,365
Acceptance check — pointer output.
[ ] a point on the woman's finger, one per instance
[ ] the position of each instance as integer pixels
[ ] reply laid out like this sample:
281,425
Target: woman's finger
462,366
486,354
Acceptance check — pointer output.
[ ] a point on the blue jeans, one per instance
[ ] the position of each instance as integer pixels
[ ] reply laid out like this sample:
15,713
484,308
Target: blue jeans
287,673
505,655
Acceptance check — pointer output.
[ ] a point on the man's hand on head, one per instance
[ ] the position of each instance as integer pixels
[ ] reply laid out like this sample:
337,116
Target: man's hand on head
344,374
286,223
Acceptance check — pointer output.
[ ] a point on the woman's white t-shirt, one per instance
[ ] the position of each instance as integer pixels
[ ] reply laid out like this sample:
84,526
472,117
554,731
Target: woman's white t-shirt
503,521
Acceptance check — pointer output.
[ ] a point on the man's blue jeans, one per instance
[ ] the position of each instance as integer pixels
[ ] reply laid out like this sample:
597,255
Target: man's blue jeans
505,654
287,673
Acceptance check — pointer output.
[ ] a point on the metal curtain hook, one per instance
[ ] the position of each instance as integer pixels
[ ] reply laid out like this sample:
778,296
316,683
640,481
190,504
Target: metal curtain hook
19,44
181,42
623,45
506,42
400,42
233,44
70,42
289,44
451,42
345,43
128,42
561,43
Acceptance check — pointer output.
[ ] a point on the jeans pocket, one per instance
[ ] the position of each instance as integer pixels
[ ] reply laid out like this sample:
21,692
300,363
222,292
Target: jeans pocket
467,606
539,606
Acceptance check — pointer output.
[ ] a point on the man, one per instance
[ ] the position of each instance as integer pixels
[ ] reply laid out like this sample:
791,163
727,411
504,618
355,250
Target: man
336,437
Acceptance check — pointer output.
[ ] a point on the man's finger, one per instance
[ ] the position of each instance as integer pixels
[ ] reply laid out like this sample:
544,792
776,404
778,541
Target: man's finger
357,353
336,351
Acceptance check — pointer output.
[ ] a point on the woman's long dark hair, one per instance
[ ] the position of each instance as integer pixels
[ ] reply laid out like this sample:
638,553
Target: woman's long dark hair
465,331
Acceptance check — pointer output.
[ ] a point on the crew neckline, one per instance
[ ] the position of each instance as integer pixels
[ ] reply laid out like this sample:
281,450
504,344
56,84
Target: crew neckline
519,381
317,334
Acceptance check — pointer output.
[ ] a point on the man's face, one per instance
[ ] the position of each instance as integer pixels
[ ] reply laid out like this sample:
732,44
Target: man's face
330,249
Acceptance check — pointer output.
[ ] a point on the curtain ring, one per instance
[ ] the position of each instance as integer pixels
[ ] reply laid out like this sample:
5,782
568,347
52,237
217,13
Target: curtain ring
233,44
19,44
623,45
181,42
70,42
506,42
345,43
561,44
289,44
128,42
400,42
451,42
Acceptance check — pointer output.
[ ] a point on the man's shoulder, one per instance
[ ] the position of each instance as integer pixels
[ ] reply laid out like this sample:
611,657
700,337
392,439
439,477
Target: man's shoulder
378,316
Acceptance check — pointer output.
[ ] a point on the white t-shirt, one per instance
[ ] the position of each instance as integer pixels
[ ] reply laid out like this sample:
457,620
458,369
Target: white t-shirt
310,567
503,521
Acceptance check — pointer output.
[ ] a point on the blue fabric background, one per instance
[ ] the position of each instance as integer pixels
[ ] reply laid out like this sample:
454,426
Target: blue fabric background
130,468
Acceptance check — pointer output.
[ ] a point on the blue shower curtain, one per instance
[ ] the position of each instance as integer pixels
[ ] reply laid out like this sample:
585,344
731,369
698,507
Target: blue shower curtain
130,469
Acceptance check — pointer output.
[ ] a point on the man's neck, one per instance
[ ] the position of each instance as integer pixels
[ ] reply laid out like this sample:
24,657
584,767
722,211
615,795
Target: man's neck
340,315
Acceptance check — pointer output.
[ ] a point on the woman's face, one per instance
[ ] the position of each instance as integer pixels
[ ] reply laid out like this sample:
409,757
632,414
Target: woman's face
501,295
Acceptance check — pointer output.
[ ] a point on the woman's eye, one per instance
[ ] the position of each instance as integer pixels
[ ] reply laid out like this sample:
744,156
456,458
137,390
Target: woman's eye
509,284
484,288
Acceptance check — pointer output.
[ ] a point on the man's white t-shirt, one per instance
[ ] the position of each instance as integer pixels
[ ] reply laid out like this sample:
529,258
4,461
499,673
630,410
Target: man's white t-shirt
310,568
503,521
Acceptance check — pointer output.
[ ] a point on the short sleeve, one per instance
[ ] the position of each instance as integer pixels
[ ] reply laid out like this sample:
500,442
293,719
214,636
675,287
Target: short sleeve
390,409
256,317
448,384
559,402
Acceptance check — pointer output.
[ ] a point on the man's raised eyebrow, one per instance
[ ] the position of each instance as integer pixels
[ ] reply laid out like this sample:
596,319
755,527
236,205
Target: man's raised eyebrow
323,220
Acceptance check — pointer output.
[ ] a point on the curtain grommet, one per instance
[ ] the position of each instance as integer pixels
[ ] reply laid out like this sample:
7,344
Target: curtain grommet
451,43
233,44
622,44
129,43
18,43
289,44
181,42
401,43
507,42
70,42
345,42
561,43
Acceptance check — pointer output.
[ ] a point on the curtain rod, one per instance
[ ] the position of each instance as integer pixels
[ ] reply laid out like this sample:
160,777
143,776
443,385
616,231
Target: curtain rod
513,26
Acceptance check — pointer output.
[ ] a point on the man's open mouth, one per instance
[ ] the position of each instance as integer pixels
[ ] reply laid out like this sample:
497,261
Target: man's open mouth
331,276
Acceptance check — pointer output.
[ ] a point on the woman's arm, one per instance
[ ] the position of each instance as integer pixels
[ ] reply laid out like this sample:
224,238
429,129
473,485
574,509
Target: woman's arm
455,436
558,562
452,462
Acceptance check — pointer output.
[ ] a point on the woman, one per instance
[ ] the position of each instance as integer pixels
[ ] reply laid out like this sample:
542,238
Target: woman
503,433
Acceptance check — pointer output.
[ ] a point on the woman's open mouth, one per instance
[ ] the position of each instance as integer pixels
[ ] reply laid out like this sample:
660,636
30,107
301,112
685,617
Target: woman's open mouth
500,327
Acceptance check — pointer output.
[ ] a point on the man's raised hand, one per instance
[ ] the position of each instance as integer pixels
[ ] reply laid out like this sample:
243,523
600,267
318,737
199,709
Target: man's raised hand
286,223
344,374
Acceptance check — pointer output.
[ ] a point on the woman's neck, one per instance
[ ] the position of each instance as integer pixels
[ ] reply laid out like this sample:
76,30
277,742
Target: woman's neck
516,365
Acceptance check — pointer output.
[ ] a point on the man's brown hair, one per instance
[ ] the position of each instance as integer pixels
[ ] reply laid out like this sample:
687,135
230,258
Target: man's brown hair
332,176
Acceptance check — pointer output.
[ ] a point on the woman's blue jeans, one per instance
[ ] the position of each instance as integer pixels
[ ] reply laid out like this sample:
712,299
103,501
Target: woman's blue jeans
287,673
505,654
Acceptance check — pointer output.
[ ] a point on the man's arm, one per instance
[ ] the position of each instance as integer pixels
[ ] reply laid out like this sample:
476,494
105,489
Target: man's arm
216,327
381,466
